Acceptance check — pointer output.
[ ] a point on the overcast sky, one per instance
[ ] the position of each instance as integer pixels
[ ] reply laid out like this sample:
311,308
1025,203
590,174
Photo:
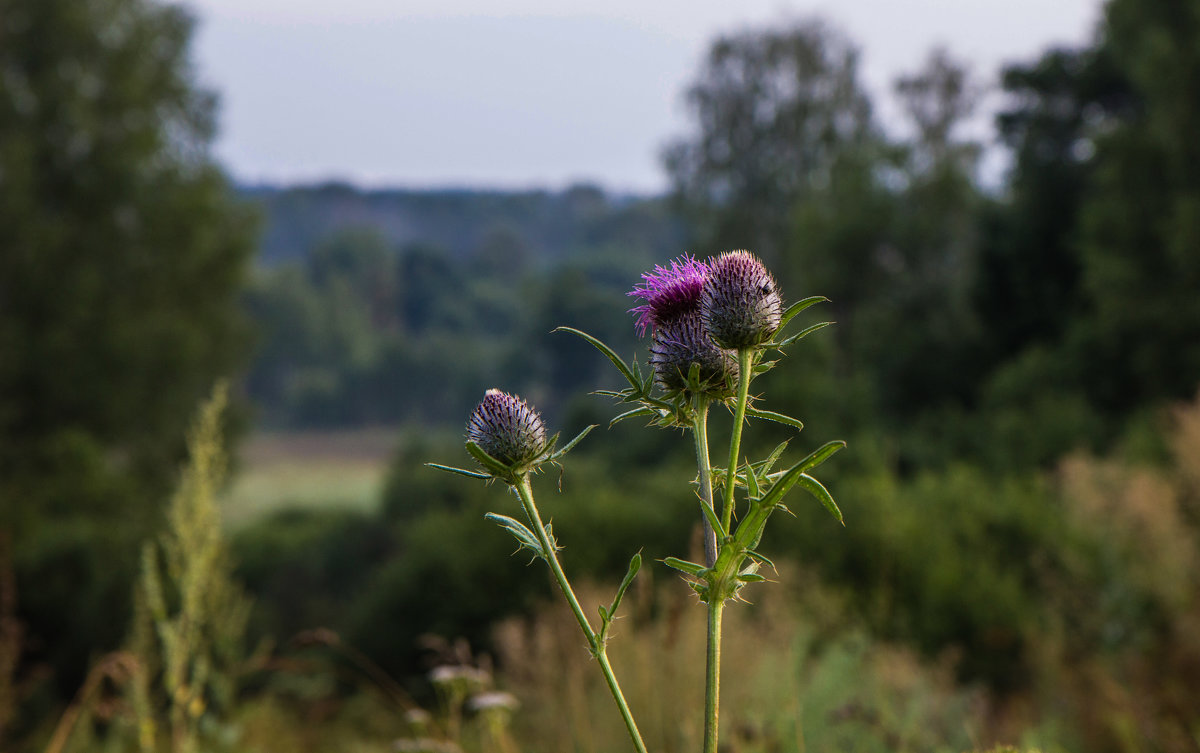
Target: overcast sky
533,93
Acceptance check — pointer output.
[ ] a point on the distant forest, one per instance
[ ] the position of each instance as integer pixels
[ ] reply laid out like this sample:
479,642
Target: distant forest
389,306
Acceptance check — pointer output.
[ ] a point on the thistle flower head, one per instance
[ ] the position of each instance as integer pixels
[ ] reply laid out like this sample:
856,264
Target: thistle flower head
682,342
669,293
740,301
506,428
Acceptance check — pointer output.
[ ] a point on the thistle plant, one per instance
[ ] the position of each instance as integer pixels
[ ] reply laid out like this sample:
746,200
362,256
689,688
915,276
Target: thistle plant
714,327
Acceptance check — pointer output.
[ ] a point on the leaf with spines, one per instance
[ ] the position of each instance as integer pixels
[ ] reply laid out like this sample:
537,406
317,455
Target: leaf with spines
609,353
459,471
487,461
818,490
779,418
802,334
799,306
694,569
523,535
569,445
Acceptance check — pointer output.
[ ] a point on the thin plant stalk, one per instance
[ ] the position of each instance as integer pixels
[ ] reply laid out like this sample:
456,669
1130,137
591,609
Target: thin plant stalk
704,475
716,596
745,359
712,675
525,492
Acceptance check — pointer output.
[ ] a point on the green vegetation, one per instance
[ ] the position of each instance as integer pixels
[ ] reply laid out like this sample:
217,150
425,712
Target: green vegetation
1015,371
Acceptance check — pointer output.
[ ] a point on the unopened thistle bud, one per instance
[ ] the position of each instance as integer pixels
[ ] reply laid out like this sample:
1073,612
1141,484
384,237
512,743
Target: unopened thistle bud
740,301
683,342
507,429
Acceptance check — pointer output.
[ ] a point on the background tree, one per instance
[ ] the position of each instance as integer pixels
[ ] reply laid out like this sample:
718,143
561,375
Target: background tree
121,256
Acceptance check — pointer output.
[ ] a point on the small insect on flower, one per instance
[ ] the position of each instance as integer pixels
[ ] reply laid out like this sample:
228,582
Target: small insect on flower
669,293
506,428
740,301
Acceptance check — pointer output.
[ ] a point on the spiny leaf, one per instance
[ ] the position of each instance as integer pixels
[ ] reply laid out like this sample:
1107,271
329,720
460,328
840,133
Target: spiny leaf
799,306
752,554
608,352
522,534
750,578
460,471
815,488
569,445
803,334
486,460
643,411
683,566
770,415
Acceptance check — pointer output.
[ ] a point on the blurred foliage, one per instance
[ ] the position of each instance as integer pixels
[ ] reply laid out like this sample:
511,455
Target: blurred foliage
122,253
1022,495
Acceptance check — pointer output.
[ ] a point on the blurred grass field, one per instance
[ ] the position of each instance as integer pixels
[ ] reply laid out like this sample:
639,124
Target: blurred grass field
286,470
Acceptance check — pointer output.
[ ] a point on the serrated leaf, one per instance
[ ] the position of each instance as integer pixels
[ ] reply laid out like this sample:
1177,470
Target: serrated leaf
459,471
803,334
570,445
608,353
523,535
799,306
689,568
643,411
779,418
815,488
486,460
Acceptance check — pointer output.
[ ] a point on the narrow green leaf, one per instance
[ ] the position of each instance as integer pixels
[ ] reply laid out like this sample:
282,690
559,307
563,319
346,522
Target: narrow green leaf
713,520
750,578
803,334
815,458
752,482
459,471
799,306
754,555
779,418
635,564
815,488
683,566
486,460
604,618
523,535
608,352
643,411
765,466
570,445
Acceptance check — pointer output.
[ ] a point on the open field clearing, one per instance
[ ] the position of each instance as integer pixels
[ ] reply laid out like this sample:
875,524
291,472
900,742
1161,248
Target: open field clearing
276,471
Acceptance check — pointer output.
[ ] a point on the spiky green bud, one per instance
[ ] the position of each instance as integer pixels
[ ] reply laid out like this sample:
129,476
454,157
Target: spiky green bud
740,301
506,428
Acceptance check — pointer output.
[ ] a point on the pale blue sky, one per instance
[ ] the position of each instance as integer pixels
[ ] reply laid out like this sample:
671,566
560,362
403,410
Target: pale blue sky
533,93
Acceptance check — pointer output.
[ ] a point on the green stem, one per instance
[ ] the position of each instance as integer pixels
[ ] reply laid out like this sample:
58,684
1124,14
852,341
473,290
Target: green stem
525,492
704,475
745,357
712,679
716,594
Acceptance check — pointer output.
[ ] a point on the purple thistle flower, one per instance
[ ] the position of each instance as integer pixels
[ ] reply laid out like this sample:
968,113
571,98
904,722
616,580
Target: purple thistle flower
740,301
506,428
669,293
